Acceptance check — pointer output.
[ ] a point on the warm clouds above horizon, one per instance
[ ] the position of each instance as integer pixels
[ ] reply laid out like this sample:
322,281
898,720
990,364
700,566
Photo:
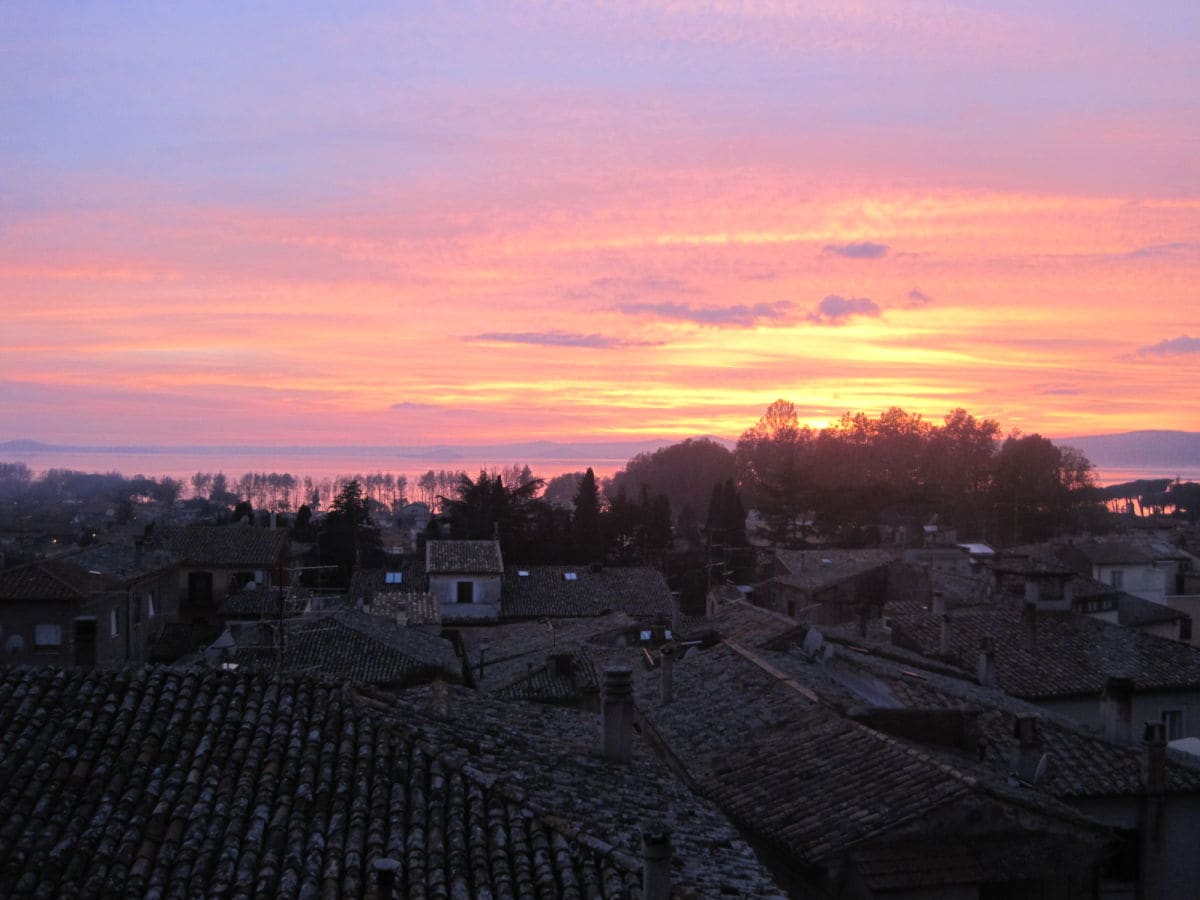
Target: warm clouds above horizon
390,224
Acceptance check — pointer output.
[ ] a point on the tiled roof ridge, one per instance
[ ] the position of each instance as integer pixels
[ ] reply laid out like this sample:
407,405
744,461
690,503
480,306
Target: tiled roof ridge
54,576
499,785
969,781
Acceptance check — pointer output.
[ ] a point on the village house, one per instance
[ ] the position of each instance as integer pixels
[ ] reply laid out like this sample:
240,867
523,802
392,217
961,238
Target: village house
101,605
828,586
465,577
1146,569
1148,795
846,810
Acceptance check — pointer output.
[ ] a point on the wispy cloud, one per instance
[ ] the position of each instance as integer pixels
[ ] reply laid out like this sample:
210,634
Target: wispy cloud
738,315
614,288
860,250
917,297
1177,248
1180,346
835,310
558,339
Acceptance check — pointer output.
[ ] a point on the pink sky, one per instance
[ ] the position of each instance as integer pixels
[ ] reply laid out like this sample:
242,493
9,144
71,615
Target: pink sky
508,222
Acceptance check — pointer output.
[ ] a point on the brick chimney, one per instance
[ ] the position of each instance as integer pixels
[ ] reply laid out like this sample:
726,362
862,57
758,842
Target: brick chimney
947,638
616,713
668,674
385,871
986,671
1154,757
656,862
1029,749
1117,709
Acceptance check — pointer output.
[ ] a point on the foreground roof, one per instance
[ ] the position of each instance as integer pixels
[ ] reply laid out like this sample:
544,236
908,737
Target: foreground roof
168,783
566,591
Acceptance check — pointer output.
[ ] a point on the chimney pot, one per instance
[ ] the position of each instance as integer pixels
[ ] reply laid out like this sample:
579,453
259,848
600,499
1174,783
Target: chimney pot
1118,709
668,674
385,870
616,712
986,672
939,603
1154,757
947,641
656,862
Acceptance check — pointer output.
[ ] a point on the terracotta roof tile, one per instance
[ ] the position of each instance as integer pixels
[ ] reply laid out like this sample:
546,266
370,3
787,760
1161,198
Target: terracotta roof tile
550,591
463,558
168,783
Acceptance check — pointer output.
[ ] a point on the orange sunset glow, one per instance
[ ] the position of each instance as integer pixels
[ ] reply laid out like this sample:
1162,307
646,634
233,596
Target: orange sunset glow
381,225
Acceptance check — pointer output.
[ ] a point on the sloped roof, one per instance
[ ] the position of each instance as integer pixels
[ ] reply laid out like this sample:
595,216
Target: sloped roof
463,558
812,570
547,591
161,782
549,755
356,647
1080,762
1116,553
366,583
811,782
225,546
53,579
1058,654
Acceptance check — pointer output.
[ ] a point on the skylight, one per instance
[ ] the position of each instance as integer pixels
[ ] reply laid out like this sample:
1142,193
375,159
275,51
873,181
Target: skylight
570,576
394,578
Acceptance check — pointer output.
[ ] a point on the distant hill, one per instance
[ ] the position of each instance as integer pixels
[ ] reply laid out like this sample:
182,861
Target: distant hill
528,451
1130,449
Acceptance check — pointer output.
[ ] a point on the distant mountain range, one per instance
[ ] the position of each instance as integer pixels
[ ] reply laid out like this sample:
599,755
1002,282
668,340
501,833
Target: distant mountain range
523,451
1131,449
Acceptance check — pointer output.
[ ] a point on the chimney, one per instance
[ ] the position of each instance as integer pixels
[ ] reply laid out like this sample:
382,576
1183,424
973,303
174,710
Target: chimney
139,548
385,871
864,619
616,713
986,672
1154,757
947,642
1029,621
1118,710
668,674
656,862
1029,749
939,603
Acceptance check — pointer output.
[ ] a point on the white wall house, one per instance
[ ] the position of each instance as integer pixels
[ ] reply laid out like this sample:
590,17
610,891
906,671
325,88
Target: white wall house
465,578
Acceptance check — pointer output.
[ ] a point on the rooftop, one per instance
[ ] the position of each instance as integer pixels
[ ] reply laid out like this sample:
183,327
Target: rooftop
572,591
224,546
160,782
463,558
811,570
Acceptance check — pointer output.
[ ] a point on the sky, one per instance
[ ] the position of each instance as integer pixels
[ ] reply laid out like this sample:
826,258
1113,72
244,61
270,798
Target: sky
386,224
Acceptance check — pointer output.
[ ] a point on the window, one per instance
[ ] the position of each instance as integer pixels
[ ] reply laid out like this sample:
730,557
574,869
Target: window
1174,721
47,636
1116,578
570,576
113,621
150,612
394,578
466,592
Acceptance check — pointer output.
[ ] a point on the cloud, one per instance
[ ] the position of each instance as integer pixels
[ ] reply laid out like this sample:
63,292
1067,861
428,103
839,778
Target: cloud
860,250
1179,346
738,315
1053,391
835,310
1155,250
917,297
558,339
614,288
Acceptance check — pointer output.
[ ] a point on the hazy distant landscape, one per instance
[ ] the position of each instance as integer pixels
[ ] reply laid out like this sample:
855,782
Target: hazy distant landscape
1117,457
